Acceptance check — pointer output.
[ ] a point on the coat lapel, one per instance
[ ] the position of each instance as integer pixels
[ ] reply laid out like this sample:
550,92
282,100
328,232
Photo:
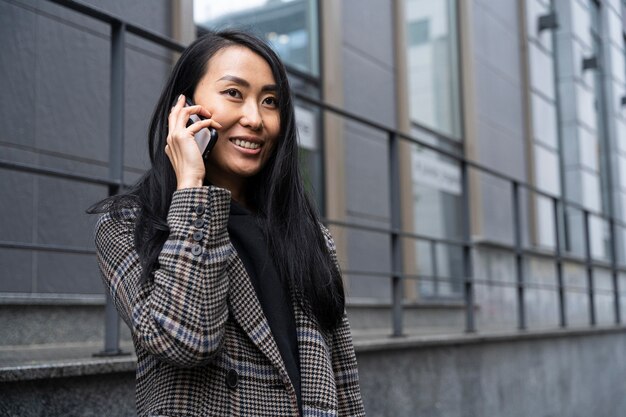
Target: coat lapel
246,309
317,380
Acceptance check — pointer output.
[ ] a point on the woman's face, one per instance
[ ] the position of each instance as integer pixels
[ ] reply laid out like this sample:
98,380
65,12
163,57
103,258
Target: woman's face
240,92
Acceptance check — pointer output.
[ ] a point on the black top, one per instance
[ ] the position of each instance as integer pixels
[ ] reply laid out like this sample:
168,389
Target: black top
249,240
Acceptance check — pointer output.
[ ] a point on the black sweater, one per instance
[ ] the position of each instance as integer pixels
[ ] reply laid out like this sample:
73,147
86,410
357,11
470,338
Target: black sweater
249,241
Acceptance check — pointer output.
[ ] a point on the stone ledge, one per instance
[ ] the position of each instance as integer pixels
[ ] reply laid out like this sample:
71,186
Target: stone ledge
82,367
427,341
53,299
363,302
95,366
41,299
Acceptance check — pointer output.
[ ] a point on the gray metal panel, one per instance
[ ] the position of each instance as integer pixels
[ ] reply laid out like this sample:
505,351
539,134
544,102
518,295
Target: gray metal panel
498,217
151,14
145,75
67,273
497,43
154,15
72,90
368,28
369,88
369,251
61,213
16,206
369,91
505,11
367,169
367,202
17,268
74,164
56,66
501,149
500,130
499,104
17,66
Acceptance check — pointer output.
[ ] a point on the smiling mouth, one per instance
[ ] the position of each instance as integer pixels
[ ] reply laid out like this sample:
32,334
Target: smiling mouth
246,144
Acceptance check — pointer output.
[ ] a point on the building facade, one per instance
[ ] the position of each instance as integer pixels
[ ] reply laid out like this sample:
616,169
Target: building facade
469,156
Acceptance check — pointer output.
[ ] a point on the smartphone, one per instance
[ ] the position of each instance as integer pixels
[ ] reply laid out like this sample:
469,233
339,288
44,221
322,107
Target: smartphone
205,138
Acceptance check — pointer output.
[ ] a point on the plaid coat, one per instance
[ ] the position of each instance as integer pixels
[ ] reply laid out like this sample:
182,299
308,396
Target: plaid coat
204,346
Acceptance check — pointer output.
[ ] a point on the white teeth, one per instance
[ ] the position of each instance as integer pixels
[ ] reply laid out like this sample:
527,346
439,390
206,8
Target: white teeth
246,144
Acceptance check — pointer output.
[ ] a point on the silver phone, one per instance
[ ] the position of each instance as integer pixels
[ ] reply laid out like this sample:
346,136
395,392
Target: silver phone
205,138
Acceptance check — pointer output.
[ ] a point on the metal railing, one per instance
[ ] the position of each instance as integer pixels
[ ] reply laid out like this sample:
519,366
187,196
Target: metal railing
396,274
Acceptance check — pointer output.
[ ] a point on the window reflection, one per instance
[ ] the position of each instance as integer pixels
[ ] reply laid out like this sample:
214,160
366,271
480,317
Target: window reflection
433,65
433,93
289,25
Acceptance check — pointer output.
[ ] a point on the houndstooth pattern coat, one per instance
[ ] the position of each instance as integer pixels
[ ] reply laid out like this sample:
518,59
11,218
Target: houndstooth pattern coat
204,346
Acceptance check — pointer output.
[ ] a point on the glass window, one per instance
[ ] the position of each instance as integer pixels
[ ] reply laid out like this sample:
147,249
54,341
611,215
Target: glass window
620,127
434,102
590,190
437,213
581,22
621,168
541,71
289,25
599,240
586,106
544,121
547,170
614,27
534,10
581,52
588,150
545,222
432,59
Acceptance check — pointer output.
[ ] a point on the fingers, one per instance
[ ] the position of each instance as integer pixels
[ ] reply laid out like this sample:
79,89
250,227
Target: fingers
186,112
181,149
174,113
201,124
181,113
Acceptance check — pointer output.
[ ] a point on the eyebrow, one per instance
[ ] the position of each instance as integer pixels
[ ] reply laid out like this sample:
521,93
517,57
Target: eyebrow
244,83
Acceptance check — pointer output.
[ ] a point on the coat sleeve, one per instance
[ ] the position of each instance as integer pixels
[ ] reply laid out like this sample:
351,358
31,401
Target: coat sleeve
350,403
179,315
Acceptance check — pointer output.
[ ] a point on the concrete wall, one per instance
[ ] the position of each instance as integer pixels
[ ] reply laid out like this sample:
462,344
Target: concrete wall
551,375
555,377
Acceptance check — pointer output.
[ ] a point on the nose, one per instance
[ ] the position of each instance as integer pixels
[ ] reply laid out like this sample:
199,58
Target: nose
251,117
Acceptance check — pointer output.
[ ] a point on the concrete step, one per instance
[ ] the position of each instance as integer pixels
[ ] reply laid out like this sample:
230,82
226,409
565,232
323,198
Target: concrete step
53,354
66,380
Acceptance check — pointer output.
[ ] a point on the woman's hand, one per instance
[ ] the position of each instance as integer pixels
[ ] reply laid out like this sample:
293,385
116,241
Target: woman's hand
181,148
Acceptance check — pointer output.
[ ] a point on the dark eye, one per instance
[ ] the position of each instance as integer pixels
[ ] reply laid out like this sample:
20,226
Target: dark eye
232,92
271,101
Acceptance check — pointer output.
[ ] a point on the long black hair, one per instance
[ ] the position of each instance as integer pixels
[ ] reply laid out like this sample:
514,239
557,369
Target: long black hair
287,214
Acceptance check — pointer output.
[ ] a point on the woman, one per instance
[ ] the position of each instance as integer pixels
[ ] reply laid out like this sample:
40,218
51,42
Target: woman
220,267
